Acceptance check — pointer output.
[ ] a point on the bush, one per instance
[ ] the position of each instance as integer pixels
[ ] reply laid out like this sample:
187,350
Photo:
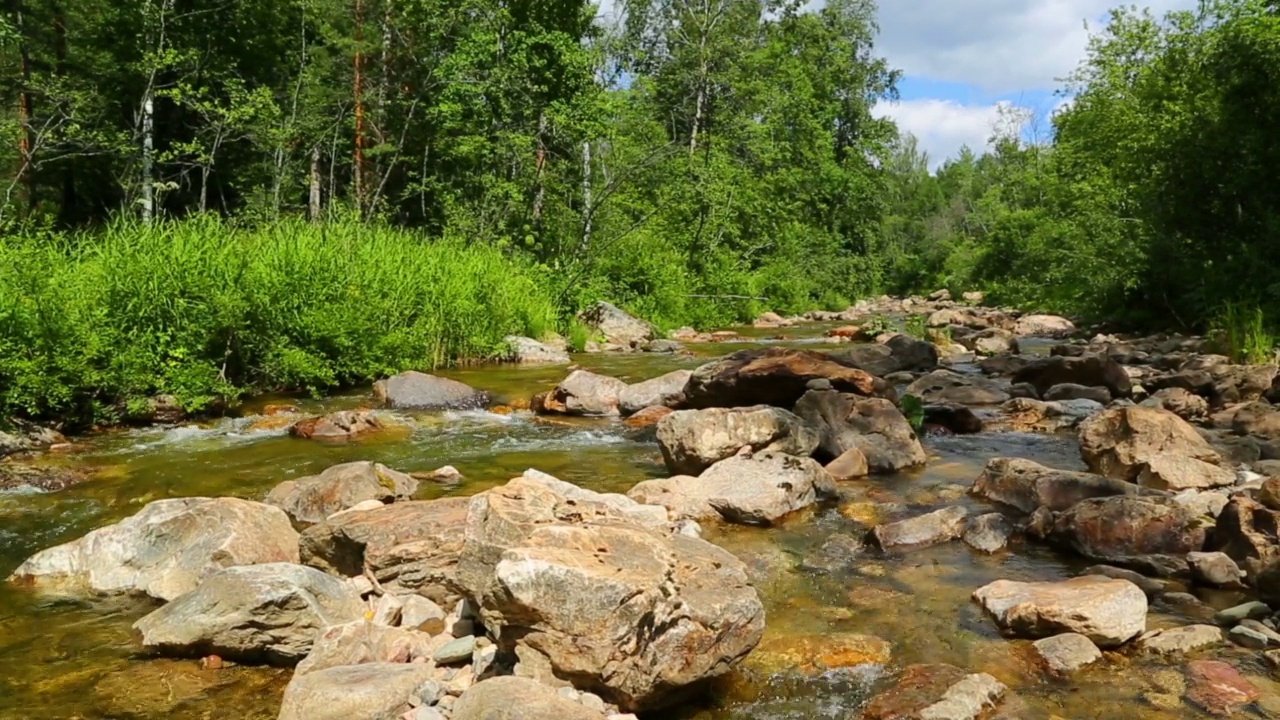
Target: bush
91,324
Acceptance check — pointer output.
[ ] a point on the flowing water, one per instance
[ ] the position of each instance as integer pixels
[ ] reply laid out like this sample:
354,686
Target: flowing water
63,658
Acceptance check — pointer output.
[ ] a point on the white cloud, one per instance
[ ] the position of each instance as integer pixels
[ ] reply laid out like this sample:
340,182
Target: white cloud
999,46
945,126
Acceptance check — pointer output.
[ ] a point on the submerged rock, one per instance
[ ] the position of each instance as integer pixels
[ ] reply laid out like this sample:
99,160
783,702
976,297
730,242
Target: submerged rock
872,425
582,393
313,498
665,390
269,613
936,692
1028,485
988,533
166,549
374,691
1218,688
774,376
45,478
1180,640
1108,612
419,391
1154,448
694,440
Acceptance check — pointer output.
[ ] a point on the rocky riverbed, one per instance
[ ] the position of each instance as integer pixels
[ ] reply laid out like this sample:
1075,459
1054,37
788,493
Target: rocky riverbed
735,525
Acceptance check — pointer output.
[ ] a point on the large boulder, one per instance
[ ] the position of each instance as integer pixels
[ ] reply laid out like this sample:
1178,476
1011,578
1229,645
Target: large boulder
774,376
872,425
757,489
19,436
1153,448
374,691
1249,533
313,498
615,326
419,391
694,440
517,698
1054,326
583,393
270,613
166,549
1087,370
408,547
945,386
1259,418
1108,612
602,592
900,353
936,692
1150,533
361,642
527,351
1028,485
665,391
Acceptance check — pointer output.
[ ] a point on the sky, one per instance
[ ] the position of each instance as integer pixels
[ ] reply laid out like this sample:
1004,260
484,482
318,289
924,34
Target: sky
963,60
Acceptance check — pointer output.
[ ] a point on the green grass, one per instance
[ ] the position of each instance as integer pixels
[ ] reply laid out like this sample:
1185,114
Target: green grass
1244,334
91,325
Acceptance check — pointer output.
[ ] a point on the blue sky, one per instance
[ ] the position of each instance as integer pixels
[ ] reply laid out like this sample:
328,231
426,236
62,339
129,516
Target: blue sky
965,59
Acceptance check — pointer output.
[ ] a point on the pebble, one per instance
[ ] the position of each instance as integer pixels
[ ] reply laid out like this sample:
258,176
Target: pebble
417,610
457,651
428,713
483,657
591,701
429,692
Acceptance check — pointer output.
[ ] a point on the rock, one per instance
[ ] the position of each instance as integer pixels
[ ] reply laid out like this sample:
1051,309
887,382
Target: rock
1180,402
1259,418
679,495
43,477
992,341
1088,370
1247,532
932,528
1180,640
954,417
1028,485
900,353
517,698
361,642
1245,611
1215,569
1151,533
761,489
693,440
1253,635
583,393
409,547
456,651
1217,687
1071,391
988,533
769,320
1154,448
936,692
342,425
648,418
599,589
527,351
1066,653
1269,493
872,425
372,691
1108,612
1031,415
1003,365
419,391
1219,381
1205,504
1151,586
955,317
418,611
270,612
666,390
1051,326
812,655
166,549
774,376
1267,582
23,436
616,326
161,409
851,464
312,499
945,386
664,347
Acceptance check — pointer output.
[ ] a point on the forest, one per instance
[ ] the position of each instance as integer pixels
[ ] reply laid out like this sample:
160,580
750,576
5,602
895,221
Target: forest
211,197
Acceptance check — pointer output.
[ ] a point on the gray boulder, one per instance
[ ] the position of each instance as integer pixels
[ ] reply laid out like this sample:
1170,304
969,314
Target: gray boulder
694,440
616,326
313,498
872,425
665,391
419,391
374,691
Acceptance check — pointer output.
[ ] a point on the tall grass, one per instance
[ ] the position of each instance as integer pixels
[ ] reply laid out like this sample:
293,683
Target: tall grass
91,325
1243,333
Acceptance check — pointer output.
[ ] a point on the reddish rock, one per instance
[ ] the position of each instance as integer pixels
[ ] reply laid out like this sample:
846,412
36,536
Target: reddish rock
848,331
774,376
1248,533
280,409
647,417
936,691
1218,688
1151,533
342,425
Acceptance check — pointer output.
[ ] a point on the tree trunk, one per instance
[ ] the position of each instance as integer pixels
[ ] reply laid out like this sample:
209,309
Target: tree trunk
540,163
313,204
26,109
70,202
358,95
586,196
148,141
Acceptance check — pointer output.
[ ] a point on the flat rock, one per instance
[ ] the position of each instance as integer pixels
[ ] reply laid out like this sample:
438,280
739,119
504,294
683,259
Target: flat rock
1052,326
1027,485
693,440
166,549
665,391
270,612
1218,688
921,531
419,391
813,655
1108,612
313,498
936,692
680,495
945,386
1180,640
1066,653
373,691
517,698
1072,391
409,547
775,376
1244,611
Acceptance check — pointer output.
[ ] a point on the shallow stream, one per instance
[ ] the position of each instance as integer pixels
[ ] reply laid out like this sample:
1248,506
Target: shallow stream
63,658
